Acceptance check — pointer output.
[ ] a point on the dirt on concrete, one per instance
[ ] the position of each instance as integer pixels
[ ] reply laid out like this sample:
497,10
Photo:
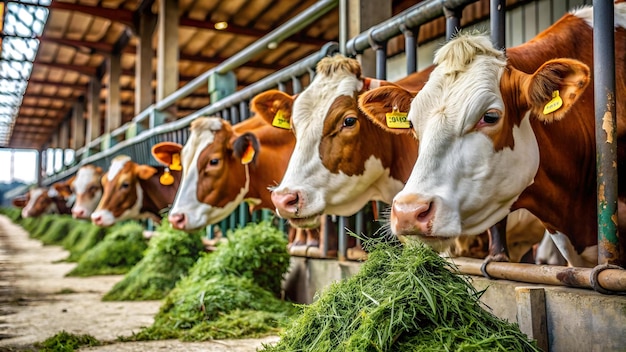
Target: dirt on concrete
37,301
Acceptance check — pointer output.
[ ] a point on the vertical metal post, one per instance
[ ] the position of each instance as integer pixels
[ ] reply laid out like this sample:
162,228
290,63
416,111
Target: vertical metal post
342,245
243,214
497,13
234,114
244,111
296,85
343,26
410,48
282,87
453,20
606,126
381,61
324,242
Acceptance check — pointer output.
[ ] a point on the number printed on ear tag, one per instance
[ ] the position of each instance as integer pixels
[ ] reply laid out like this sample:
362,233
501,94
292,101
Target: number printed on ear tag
280,121
554,104
397,119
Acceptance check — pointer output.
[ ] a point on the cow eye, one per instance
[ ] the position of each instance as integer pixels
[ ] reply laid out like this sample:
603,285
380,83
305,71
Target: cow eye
93,189
491,117
124,185
214,162
349,121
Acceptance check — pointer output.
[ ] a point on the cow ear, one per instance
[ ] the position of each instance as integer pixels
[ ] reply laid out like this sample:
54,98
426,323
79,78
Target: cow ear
168,154
19,202
70,182
246,147
98,169
381,104
144,172
555,87
274,107
103,179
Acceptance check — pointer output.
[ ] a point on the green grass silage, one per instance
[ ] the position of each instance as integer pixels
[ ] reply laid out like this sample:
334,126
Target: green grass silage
82,237
42,225
231,293
402,299
169,256
58,230
122,248
13,213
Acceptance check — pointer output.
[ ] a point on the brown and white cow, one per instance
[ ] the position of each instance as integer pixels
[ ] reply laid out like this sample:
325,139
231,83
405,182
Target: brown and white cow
56,199
87,188
342,160
226,165
133,191
494,137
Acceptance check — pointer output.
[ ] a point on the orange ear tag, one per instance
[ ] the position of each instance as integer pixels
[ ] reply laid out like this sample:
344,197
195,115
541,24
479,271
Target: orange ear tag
554,104
166,179
280,121
397,119
175,165
248,155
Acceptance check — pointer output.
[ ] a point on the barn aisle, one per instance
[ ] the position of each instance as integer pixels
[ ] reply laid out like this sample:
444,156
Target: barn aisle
37,301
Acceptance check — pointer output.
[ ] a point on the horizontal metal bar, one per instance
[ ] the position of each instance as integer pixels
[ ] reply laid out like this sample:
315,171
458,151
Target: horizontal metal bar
410,18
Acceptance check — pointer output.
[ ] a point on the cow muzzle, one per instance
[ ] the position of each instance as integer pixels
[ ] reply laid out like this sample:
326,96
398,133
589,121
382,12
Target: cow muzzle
412,215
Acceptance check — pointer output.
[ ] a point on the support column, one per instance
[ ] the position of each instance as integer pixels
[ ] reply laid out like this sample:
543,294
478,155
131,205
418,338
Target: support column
64,135
113,99
93,109
363,15
143,63
78,125
54,144
167,50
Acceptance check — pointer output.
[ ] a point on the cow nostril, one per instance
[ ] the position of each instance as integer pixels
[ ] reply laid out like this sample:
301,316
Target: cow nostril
425,215
294,200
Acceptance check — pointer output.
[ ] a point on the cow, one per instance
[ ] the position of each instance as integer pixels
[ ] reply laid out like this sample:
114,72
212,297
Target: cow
500,131
225,165
87,189
56,199
134,191
342,160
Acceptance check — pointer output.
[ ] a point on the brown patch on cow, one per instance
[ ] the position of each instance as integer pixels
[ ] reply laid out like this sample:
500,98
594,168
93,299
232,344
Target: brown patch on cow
120,193
338,63
214,179
345,149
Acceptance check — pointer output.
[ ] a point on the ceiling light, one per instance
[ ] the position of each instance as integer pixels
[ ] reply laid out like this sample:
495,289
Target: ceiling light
220,25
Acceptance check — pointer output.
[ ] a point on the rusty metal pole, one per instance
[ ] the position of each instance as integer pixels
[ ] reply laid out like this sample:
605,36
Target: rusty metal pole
606,141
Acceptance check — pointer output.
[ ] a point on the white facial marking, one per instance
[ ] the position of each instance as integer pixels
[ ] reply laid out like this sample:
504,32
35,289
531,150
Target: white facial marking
116,166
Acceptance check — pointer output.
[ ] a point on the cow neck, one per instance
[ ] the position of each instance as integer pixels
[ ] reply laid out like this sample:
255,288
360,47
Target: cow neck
61,205
559,173
158,198
268,169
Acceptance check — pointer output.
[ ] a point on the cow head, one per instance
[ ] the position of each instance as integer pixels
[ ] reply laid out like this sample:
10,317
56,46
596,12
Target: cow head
340,160
87,188
40,201
215,173
478,151
122,195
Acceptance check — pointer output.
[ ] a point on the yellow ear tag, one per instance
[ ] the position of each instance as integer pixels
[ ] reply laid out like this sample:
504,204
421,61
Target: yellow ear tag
554,104
280,121
166,179
175,165
248,155
397,119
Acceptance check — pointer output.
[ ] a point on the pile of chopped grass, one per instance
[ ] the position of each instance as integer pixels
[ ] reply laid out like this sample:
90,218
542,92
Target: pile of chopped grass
122,247
230,293
82,237
58,229
402,299
41,226
13,213
169,256
66,342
